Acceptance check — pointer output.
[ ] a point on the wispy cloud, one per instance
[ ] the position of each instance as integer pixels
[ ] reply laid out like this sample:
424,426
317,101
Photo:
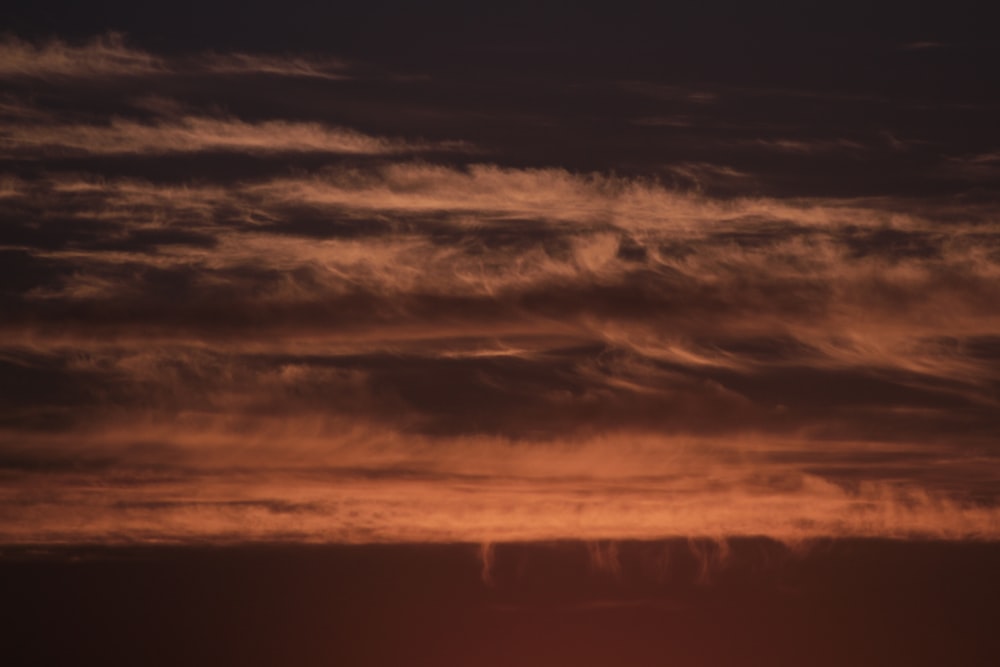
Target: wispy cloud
809,146
366,336
103,56
293,66
467,490
110,56
192,134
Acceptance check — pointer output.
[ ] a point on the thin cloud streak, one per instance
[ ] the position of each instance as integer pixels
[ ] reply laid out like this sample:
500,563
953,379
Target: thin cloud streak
194,134
104,56
330,69
109,56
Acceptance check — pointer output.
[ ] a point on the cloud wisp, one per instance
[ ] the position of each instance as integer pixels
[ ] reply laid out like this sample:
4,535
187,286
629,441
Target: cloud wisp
109,56
195,134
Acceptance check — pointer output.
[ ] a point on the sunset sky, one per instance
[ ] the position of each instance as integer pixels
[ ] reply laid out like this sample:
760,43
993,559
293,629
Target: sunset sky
665,289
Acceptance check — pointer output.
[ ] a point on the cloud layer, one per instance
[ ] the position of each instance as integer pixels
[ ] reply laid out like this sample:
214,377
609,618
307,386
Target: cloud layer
250,323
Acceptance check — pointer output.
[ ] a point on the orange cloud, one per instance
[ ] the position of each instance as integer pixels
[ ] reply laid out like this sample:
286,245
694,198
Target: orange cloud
336,341
109,56
193,134
103,56
380,487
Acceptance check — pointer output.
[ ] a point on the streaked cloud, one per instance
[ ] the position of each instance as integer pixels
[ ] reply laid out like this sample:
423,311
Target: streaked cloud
233,325
192,134
103,56
294,66
109,56
809,146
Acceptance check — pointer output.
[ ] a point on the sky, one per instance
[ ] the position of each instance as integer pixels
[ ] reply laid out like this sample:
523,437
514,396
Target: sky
500,275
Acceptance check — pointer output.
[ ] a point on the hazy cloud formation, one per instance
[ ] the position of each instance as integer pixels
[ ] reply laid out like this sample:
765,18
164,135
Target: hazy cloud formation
341,313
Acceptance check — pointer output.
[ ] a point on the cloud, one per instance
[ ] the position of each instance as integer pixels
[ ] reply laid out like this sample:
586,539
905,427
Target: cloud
103,56
236,324
109,56
332,69
809,146
265,488
702,175
193,134
850,286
